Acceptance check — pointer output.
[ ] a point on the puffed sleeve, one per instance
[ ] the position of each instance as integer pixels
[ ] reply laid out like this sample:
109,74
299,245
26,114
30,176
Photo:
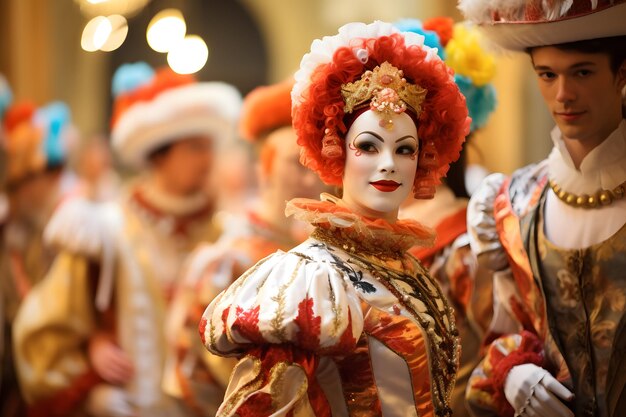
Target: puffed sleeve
281,317
481,224
509,345
59,315
51,329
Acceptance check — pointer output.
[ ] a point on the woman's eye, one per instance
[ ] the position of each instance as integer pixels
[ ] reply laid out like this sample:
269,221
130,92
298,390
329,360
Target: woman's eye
366,147
406,150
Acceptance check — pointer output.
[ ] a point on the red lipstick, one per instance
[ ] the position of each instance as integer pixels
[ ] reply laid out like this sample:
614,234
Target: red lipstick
386,186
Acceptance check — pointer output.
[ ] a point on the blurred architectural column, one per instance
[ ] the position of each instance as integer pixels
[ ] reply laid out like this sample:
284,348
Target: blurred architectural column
25,46
41,56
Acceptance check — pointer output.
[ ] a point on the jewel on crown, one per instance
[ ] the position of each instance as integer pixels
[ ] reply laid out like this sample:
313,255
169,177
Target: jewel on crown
387,90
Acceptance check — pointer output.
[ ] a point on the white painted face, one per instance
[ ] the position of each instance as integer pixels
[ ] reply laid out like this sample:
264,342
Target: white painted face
380,165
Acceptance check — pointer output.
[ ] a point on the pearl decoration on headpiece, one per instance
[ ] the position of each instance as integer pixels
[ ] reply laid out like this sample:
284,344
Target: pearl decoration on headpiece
362,55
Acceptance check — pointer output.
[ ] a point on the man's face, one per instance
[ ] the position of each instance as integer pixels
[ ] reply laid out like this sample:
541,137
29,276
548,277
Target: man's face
581,91
186,165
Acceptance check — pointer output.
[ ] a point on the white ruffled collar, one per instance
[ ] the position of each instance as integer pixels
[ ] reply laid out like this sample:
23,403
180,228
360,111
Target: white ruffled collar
603,168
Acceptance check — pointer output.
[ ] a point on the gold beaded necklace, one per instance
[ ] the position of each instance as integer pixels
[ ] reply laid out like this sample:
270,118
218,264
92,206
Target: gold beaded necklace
598,199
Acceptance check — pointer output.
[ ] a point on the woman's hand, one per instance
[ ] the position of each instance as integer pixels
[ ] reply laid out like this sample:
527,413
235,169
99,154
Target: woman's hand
532,391
109,361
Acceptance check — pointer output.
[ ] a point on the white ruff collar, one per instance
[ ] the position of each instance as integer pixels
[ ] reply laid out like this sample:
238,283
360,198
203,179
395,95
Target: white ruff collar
603,168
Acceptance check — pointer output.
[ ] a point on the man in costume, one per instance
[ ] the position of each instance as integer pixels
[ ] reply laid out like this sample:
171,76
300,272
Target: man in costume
450,259
348,323
35,147
89,338
553,233
198,377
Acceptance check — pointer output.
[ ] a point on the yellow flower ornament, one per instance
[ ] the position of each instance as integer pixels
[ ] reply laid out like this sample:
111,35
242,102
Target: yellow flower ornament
466,56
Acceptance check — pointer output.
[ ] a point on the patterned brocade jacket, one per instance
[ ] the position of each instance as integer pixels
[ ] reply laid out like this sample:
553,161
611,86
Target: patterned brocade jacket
561,309
345,324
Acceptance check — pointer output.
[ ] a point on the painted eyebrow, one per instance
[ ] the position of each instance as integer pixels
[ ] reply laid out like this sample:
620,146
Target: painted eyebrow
376,135
576,65
406,137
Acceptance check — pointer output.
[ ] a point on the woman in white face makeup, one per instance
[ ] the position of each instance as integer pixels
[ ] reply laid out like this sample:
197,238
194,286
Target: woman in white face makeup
380,165
348,323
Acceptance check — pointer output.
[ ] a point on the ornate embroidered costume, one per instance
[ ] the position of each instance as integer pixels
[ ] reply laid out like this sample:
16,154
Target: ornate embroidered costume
562,303
552,232
339,324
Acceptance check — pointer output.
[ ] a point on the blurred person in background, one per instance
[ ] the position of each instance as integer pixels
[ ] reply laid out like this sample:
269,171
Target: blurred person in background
89,338
450,259
35,146
234,181
97,180
198,377
553,234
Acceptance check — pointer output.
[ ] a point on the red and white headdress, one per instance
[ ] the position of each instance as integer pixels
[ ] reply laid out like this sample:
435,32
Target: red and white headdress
376,66
521,24
168,108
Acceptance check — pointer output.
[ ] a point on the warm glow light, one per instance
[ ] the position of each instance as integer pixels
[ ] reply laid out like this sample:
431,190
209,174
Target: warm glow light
96,1
189,55
96,33
103,30
118,33
166,29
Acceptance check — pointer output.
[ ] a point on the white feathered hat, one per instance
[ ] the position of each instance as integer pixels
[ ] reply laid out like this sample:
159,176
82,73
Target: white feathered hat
165,107
520,24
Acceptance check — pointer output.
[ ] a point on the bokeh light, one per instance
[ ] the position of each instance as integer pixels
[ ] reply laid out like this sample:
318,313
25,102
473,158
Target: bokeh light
118,33
189,55
95,33
166,29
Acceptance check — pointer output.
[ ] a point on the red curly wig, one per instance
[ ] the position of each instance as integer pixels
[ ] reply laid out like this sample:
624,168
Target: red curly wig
442,124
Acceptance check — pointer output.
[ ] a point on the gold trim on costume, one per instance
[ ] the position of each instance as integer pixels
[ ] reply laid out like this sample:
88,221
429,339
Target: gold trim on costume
277,322
437,322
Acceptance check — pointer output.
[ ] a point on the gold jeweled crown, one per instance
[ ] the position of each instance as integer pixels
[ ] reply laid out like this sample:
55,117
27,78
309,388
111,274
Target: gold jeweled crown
388,91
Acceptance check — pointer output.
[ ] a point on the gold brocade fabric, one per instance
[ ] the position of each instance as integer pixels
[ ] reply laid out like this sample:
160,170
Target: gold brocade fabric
585,293
363,328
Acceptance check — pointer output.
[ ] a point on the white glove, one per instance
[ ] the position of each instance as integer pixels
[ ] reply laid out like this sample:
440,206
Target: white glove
532,391
109,401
